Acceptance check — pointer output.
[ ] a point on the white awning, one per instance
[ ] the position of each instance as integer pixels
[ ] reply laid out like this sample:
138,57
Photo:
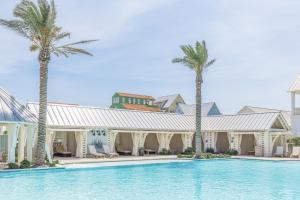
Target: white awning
11,111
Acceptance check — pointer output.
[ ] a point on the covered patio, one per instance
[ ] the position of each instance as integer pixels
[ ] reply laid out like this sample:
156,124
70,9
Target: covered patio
256,134
17,130
123,131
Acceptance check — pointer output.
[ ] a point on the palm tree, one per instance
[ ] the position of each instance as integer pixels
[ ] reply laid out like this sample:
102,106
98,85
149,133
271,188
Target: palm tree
37,22
196,60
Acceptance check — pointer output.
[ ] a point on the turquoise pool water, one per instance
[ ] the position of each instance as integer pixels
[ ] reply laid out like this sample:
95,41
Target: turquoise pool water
215,179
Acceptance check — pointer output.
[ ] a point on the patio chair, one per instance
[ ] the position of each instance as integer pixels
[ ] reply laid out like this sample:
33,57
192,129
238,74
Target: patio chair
295,152
108,153
279,151
94,152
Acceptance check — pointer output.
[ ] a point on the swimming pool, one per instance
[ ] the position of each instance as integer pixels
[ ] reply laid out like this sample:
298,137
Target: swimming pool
211,179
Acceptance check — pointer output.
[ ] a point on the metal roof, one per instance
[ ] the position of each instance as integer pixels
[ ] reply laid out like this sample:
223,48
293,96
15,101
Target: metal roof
295,87
167,100
254,109
243,122
190,109
13,111
73,116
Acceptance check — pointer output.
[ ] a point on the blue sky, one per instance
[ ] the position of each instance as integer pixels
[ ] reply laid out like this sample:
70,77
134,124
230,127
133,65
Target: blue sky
256,44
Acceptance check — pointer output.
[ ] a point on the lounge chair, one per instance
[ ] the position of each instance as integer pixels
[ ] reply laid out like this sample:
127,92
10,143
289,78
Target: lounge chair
295,152
60,151
123,151
94,152
108,153
279,151
149,151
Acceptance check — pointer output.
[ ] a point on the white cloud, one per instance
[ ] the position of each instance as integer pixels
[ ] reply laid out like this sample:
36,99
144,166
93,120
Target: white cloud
92,19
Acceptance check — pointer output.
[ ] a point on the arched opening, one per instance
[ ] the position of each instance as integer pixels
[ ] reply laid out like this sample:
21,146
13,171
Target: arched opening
247,144
278,143
64,144
222,144
176,144
124,143
151,144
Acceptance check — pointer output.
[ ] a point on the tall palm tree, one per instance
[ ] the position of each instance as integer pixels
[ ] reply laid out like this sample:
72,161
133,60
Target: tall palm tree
37,22
196,58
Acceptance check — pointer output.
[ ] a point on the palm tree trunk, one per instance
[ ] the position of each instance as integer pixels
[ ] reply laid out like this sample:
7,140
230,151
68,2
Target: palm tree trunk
198,113
44,59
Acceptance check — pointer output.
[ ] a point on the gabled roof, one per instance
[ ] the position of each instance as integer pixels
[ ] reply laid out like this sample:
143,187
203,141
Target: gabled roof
12,111
167,100
295,87
123,94
141,107
251,122
254,109
206,109
73,116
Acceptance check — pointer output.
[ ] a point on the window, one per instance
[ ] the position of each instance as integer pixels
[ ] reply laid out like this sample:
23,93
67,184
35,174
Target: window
138,101
123,99
129,100
133,100
117,99
144,102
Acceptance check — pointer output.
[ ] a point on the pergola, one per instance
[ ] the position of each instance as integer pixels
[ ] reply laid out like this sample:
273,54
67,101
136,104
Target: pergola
18,125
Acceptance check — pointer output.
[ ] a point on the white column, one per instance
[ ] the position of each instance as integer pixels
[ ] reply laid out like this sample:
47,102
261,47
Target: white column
168,140
79,146
215,138
48,145
161,141
187,140
30,142
293,106
267,141
113,135
142,139
21,143
12,131
135,141
229,140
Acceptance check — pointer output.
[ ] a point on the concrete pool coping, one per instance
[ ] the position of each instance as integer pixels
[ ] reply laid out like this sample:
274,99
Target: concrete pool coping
265,158
69,163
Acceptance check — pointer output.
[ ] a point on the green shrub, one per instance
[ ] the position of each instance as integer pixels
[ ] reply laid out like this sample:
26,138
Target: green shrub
210,156
295,141
4,157
53,164
13,166
24,164
210,150
165,152
185,155
232,152
189,151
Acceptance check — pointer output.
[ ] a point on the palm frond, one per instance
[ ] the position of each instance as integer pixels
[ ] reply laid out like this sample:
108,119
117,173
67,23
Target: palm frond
194,57
34,47
17,26
177,60
80,42
209,63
